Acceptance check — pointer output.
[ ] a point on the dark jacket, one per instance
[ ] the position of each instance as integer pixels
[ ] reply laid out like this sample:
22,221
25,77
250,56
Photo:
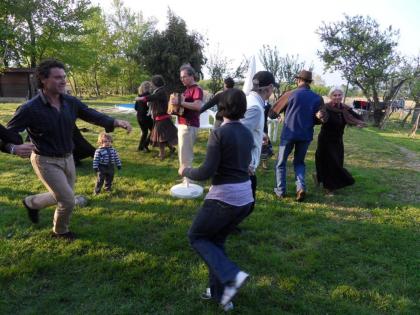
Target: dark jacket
51,131
159,100
228,156
8,137
299,120
334,128
142,108
214,101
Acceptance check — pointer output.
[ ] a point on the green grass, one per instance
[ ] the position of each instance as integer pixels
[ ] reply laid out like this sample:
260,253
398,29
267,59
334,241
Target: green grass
355,253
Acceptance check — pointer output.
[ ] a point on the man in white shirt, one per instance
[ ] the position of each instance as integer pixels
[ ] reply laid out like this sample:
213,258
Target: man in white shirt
263,84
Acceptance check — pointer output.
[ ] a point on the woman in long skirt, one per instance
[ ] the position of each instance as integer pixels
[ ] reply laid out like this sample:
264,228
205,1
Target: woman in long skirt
329,156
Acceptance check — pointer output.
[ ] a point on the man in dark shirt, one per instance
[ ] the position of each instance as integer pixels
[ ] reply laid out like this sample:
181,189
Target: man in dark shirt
215,101
49,119
303,107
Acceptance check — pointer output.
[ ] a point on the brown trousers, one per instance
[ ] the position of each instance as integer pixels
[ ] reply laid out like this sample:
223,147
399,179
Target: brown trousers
58,175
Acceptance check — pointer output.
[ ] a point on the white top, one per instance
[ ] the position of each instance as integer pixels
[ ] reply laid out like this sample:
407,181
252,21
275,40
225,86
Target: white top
254,121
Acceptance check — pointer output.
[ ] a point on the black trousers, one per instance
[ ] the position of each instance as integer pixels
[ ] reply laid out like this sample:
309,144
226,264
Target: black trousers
82,148
105,174
253,179
146,126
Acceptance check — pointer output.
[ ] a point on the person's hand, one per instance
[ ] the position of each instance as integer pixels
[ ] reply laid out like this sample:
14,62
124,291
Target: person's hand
181,169
123,124
140,98
265,139
319,114
251,171
23,150
174,100
181,100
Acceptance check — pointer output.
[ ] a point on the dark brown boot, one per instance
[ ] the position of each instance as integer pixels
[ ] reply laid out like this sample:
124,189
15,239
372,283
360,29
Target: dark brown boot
33,214
300,195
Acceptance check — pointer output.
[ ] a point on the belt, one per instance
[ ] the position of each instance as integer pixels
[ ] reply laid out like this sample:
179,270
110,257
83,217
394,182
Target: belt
64,155
162,117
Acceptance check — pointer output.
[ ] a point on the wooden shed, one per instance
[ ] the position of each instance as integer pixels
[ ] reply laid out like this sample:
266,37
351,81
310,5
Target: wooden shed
17,83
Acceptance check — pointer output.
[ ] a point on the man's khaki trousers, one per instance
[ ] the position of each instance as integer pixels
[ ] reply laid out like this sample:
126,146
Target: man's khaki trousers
58,175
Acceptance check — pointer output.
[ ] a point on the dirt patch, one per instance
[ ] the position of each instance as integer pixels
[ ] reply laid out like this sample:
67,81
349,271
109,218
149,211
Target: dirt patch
412,159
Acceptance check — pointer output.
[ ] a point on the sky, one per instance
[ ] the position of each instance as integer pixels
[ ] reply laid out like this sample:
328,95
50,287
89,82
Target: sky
241,28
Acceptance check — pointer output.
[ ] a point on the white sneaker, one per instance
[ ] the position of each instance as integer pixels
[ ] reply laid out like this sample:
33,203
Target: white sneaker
80,201
227,307
206,295
231,290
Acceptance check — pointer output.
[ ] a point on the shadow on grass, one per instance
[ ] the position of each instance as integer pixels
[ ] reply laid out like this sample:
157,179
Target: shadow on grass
302,260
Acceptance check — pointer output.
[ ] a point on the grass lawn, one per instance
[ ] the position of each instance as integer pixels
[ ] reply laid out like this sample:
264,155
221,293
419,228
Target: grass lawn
357,252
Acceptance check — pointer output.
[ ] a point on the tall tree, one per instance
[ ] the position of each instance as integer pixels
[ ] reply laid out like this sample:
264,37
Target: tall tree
284,69
290,66
218,67
364,54
240,71
101,63
37,26
414,90
271,60
7,37
411,88
164,52
89,60
128,29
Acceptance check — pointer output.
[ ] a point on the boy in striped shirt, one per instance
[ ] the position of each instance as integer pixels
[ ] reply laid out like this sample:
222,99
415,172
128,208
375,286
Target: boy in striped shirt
106,157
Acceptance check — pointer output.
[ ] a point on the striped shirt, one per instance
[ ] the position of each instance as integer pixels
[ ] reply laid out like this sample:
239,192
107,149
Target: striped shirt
106,156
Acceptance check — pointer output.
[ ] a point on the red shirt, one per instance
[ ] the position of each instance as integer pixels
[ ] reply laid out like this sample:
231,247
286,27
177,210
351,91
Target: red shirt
191,117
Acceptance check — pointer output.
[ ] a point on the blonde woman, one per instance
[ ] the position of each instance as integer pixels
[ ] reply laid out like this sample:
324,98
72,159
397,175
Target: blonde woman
143,116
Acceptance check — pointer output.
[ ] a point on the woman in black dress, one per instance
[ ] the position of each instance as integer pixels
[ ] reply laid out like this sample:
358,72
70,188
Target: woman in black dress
164,132
329,156
143,116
